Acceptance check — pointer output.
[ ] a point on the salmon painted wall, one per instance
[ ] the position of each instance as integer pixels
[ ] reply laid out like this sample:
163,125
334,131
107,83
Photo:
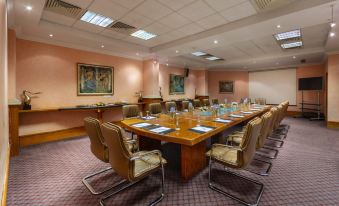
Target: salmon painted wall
11,64
241,87
52,70
194,81
333,88
311,96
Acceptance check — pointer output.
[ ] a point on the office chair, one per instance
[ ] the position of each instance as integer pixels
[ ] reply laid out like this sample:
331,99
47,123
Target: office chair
155,108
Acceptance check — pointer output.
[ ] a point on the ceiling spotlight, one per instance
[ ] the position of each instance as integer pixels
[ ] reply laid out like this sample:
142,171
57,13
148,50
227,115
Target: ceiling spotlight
278,26
332,34
102,46
277,63
29,8
215,41
50,35
167,64
294,57
137,54
332,24
176,51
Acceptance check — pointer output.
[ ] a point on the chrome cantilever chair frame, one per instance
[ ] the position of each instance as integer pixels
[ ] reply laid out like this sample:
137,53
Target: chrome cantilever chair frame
158,199
213,187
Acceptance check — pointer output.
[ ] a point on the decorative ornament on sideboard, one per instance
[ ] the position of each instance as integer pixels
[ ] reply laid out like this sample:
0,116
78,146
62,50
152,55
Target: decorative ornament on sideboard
26,99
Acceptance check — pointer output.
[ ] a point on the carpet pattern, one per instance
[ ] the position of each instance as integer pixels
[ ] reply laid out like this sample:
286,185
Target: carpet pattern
306,172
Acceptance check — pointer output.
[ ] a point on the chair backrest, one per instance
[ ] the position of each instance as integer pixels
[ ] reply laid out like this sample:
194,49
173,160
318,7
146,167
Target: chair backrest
98,147
215,101
279,117
265,129
248,142
184,105
261,101
119,155
274,111
169,105
154,108
234,104
130,111
196,103
206,102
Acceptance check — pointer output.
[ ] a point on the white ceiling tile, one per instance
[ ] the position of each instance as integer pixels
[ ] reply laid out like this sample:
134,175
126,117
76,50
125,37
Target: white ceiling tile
212,21
88,27
228,52
108,9
250,48
135,40
57,18
129,4
189,29
268,44
113,34
80,3
176,4
136,20
196,11
238,12
157,28
220,5
174,20
152,9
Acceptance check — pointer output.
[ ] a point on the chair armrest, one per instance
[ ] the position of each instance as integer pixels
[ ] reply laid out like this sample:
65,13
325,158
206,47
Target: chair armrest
224,145
141,155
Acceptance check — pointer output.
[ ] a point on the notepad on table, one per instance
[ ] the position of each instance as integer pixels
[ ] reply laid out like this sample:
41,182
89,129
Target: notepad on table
223,120
141,125
236,116
202,128
246,112
148,117
160,129
255,109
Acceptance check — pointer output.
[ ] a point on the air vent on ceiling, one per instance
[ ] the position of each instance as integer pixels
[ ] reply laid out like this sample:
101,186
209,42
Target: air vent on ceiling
123,28
263,5
64,8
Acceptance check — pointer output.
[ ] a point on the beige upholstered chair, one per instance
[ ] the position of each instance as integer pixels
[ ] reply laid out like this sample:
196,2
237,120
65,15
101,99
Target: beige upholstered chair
154,108
196,103
184,105
99,149
132,167
215,101
206,102
237,157
169,105
130,111
261,101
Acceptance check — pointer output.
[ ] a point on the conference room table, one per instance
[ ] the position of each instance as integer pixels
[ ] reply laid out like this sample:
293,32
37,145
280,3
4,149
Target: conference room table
183,130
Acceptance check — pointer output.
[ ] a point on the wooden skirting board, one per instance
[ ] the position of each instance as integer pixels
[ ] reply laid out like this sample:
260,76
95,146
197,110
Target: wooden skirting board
4,191
293,113
44,137
332,125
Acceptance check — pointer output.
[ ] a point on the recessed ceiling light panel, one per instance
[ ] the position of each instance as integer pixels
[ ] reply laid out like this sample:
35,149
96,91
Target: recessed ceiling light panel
292,45
141,34
213,58
199,53
288,35
96,19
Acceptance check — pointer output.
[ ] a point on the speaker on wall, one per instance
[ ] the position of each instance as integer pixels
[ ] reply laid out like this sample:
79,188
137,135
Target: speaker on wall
187,71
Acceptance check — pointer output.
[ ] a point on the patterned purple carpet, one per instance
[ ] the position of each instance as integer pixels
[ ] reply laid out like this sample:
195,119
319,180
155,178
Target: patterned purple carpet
306,172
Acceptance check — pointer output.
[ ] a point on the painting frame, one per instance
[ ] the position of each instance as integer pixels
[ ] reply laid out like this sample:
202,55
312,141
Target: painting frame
176,84
226,87
98,85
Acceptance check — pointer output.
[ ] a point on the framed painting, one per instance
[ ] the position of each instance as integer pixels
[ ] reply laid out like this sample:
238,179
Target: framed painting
95,79
176,84
226,86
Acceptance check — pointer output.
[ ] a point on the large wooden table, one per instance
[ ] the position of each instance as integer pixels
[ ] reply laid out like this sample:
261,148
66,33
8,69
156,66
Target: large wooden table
193,145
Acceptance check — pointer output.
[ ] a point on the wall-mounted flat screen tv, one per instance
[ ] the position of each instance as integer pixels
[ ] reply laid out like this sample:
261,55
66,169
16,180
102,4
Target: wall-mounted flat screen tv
313,83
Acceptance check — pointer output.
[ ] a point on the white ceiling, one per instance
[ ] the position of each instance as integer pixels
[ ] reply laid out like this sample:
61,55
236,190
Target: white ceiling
244,32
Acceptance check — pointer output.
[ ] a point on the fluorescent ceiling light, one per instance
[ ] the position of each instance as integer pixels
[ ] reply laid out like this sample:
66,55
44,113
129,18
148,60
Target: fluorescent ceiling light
96,19
213,58
199,53
288,35
143,35
292,45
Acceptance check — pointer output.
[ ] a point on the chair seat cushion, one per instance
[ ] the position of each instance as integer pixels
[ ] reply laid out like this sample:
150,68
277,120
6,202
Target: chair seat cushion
146,163
224,155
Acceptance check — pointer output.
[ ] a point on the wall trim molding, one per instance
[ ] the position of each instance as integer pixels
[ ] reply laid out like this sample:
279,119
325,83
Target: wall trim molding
332,125
4,191
44,137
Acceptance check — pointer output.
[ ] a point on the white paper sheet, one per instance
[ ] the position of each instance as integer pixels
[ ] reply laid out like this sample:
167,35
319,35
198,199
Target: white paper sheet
246,112
160,129
236,116
149,117
144,124
223,120
202,129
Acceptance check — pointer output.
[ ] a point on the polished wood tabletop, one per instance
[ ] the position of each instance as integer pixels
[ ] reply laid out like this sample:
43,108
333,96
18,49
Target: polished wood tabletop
187,121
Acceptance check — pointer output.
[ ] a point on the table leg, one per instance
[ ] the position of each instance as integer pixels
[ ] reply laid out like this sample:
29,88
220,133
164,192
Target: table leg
193,159
148,144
